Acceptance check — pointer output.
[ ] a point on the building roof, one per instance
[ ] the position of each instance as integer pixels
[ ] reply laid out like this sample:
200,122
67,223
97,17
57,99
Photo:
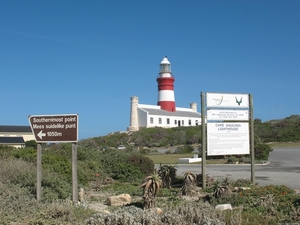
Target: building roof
11,140
15,129
177,113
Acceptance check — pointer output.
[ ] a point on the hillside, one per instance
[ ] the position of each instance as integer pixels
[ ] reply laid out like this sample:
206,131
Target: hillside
282,130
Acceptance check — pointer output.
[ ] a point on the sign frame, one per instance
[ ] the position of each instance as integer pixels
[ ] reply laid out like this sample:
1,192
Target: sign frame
54,128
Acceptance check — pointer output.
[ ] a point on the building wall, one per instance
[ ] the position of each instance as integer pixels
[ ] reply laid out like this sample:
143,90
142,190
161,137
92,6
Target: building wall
142,118
172,121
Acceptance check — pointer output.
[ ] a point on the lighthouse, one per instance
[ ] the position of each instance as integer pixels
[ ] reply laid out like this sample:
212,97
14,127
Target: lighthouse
165,84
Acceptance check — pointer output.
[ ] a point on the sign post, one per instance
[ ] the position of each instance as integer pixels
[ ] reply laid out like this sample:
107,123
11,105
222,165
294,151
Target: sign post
55,128
228,118
39,172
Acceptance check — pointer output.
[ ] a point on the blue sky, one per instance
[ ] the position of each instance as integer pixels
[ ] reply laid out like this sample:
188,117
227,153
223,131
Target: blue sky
90,57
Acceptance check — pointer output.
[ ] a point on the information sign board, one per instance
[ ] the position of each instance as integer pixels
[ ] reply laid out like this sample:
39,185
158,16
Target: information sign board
54,128
228,138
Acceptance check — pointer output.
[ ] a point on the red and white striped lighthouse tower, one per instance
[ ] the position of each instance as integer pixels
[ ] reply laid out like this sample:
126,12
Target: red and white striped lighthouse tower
165,84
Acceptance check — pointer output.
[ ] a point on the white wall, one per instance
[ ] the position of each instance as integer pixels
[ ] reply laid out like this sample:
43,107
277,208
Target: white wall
183,121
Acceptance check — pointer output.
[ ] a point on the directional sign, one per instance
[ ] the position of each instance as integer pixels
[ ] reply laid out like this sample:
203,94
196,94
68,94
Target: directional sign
54,128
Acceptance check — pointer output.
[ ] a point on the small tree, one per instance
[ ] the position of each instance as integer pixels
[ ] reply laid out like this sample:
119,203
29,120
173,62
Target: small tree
151,185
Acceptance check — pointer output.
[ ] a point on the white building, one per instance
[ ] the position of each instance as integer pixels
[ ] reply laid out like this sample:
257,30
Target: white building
15,136
165,113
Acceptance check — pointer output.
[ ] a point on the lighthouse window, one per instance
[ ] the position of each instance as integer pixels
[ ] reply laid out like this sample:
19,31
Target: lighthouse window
190,122
159,120
168,121
151,120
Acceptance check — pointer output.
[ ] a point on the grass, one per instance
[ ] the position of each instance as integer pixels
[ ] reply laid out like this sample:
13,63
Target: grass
285,145
173,159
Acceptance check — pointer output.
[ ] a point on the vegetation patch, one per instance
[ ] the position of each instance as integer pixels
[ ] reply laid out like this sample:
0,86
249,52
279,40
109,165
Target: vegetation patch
159,197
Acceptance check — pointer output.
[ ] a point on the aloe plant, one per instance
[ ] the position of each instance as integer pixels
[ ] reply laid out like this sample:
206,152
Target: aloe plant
151,186
167,174
189,187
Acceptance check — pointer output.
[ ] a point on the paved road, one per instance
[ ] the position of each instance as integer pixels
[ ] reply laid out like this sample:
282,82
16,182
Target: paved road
283,169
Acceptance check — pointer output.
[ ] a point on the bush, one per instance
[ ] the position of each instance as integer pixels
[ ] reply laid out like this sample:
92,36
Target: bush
145,164
262,151
184,149
277,203
126,173
232,160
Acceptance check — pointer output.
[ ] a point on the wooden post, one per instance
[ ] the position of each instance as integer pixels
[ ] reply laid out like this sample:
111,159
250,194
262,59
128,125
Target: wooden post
39,172
252,140
203,145
74,174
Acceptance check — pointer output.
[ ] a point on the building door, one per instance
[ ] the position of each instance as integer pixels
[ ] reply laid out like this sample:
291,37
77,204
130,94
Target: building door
179,123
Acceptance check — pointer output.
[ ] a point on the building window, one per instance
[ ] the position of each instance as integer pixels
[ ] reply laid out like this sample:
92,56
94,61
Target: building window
151,120
159,120
168,121
196,122
175,121
182,122
190,122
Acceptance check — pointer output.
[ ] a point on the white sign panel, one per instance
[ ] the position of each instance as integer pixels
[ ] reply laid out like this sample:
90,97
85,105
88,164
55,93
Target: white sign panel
227,100
224,114
227,138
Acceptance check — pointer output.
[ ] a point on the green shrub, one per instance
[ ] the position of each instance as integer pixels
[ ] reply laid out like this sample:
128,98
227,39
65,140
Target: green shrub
18,172
232,160
184,149
117,187
126,173
145,164
277,203
145,151
242,183
55,186
262,151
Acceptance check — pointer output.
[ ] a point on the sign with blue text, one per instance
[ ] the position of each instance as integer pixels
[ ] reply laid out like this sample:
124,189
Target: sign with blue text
54,128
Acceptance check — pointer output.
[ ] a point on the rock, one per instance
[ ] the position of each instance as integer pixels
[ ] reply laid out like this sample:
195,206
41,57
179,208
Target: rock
105,212
239,189
158,211
122,199
81,195
223,207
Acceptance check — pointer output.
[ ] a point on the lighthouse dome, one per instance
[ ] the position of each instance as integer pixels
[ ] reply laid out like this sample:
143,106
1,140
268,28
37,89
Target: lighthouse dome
165,61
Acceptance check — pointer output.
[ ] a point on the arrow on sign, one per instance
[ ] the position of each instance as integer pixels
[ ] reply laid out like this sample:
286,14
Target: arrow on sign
41,134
